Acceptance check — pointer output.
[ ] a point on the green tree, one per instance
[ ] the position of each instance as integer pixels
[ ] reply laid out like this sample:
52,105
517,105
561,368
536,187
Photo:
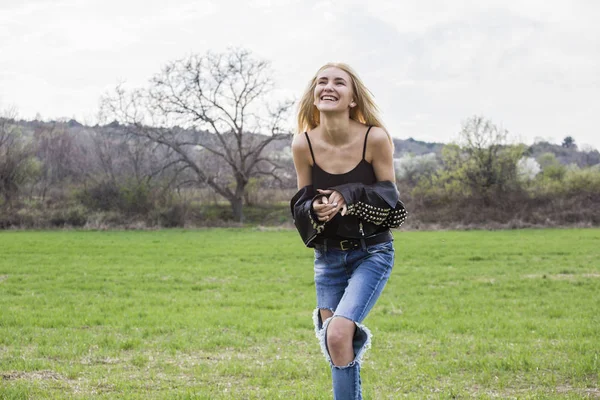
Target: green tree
485,162
569,143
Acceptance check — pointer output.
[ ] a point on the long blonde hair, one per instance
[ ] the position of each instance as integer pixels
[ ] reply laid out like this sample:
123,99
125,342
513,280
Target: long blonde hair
365,111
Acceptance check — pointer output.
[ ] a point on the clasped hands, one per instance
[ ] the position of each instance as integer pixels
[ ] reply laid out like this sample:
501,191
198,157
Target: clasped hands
328,205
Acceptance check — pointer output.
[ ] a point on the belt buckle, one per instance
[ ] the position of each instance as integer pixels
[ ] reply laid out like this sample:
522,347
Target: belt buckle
342,245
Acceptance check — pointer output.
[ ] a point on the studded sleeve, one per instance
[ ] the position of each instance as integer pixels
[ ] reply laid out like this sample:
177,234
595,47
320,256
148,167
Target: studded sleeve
377,203
305,220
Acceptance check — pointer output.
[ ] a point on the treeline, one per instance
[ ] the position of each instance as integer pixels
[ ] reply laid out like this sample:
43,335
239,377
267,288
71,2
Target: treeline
484,180
56,174
206,143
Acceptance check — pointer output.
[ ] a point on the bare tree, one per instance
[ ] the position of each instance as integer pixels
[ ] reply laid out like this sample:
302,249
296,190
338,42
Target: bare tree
63,155
129,172
216,104
17,165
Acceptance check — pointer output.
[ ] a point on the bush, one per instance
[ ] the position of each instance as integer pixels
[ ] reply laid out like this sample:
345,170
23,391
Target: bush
130,197
411,168
103,196
175,215
135,198
585,181
75,216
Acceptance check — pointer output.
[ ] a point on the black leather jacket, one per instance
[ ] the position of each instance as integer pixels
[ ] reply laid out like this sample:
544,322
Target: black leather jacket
376,205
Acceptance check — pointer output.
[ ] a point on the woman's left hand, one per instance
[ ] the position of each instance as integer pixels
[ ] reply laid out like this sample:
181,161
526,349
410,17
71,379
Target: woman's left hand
335,197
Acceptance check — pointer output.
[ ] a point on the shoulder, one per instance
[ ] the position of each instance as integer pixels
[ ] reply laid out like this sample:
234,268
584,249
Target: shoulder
300,149
299,143
379,140
378,135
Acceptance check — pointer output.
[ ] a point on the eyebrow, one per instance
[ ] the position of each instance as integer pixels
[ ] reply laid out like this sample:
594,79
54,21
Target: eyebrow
337,78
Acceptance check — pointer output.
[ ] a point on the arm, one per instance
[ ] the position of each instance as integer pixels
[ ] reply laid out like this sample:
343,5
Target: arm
322,208
301,156
304,220
307,222
381,153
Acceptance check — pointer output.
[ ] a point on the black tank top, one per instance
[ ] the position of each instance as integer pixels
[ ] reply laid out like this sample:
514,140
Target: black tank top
362,173
343,226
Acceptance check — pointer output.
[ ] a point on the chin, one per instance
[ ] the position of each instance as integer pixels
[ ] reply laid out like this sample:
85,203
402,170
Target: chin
329,108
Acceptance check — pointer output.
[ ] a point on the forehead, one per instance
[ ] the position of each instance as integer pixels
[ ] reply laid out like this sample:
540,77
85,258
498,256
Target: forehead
332,73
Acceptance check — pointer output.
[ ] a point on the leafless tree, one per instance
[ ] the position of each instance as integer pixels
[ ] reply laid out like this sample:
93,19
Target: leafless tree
121,162
17,165
218,104
63,154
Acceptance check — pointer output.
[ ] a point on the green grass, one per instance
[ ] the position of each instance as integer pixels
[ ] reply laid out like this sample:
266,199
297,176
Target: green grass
226,314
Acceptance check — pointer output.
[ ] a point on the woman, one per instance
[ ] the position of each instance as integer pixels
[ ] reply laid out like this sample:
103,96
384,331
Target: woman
346,203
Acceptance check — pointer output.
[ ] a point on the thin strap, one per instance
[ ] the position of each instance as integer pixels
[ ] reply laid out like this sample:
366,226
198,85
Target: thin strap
365,147
310,147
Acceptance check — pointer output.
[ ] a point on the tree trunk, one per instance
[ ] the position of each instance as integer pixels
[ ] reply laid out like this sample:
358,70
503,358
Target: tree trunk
237,203
237,208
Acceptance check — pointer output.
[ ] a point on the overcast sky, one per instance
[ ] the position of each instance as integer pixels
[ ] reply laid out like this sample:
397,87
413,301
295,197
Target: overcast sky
531,66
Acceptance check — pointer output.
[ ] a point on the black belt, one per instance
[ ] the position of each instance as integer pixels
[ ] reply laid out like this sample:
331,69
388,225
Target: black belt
353,244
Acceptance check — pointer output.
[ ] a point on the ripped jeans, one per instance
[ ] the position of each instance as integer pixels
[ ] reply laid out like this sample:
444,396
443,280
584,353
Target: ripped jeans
349,283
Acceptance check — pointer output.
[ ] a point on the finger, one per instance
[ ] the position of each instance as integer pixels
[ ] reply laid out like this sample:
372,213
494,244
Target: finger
324,200
325,191
320,207
344,210
330,212
332,215
336,195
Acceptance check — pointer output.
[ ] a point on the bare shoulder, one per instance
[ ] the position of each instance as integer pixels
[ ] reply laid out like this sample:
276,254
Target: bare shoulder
299,143
379,141
378,135
300,148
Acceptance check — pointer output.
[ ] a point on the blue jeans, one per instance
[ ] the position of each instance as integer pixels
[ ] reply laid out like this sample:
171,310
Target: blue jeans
349,283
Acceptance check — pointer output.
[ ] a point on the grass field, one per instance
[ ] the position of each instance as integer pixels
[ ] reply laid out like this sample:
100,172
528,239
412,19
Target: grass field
226,314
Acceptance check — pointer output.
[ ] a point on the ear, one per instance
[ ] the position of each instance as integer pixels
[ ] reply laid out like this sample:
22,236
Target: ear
353,104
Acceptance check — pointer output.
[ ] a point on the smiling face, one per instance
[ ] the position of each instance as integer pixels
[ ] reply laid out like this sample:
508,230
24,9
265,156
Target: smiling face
333,90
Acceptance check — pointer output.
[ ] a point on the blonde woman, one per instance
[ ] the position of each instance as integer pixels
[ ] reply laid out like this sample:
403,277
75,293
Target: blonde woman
344,209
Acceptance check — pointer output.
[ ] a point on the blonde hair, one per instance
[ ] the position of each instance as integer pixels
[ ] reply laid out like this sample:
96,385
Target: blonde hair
365,111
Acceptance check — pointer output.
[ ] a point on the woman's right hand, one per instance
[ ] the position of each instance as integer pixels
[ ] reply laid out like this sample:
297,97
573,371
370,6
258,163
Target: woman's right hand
323,209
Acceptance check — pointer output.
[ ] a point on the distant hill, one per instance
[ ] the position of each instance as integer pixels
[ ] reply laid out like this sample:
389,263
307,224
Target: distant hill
566,155
416,147
413,146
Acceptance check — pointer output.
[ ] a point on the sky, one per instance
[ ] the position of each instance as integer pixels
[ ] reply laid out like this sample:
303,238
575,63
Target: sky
530,66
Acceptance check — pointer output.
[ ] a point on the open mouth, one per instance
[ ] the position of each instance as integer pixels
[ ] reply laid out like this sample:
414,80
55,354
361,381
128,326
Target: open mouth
328,98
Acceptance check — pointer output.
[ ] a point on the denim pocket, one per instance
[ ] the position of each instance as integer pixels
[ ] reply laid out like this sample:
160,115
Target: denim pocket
380,248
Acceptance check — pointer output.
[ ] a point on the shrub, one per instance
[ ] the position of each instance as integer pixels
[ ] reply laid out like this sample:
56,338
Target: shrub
70,216
103,196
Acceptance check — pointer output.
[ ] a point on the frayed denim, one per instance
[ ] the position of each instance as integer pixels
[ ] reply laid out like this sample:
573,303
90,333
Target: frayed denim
348,284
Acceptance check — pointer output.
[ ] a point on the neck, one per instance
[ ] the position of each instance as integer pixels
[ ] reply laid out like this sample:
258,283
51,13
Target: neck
336,127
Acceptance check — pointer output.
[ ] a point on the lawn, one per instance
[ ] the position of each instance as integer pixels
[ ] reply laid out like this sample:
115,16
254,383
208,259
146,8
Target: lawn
226,314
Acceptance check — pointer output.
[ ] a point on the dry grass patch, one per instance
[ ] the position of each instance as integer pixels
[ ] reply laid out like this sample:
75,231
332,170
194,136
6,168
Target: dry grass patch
34,375
562,277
